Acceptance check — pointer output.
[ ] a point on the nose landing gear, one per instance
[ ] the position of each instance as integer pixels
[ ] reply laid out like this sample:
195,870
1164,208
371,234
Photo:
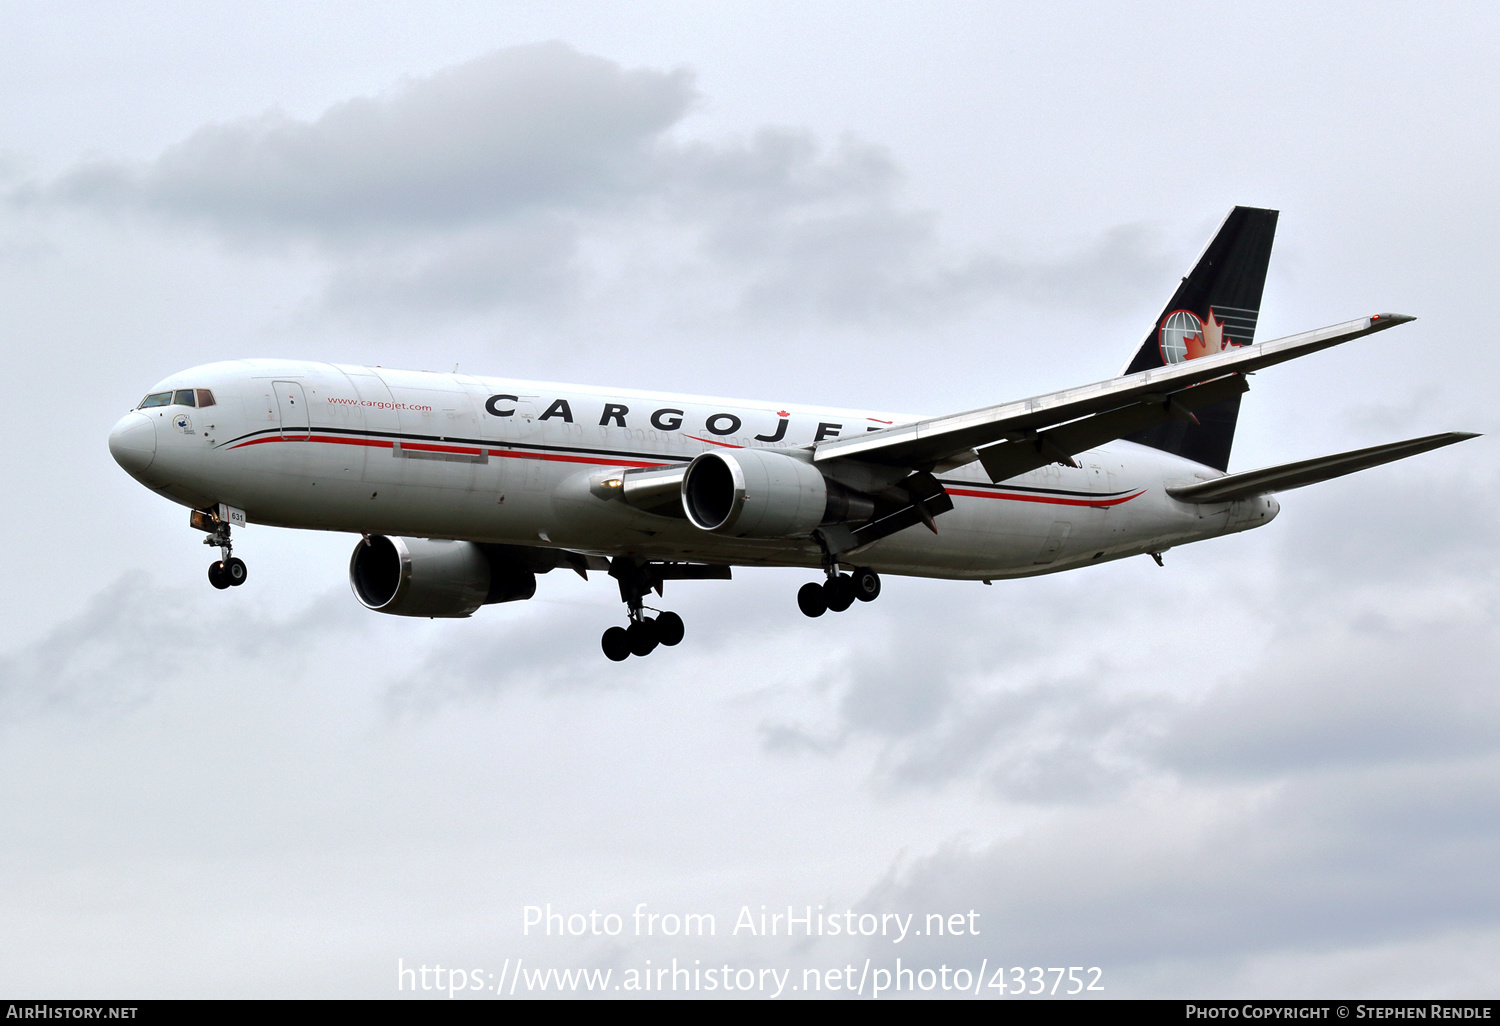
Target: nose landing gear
229,571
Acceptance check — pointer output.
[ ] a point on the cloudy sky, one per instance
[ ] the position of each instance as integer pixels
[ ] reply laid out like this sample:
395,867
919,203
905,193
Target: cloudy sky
1270,769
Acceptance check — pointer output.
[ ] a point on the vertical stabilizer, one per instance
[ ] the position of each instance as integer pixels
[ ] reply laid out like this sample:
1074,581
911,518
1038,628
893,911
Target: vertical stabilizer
1215,307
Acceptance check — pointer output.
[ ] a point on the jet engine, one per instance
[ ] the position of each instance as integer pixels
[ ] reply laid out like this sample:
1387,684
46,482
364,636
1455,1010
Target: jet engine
752,493
427,577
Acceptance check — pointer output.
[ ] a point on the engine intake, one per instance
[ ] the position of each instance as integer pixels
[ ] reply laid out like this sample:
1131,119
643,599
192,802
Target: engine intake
427,577
752,493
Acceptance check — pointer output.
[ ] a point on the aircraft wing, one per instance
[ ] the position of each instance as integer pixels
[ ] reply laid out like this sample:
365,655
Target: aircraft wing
1306,472
1015,437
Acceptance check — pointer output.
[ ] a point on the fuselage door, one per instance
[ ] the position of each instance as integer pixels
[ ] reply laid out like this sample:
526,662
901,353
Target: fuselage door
1053,546
292,405
507,419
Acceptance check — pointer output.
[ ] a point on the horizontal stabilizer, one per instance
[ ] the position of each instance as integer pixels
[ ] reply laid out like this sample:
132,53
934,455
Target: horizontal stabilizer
1324,468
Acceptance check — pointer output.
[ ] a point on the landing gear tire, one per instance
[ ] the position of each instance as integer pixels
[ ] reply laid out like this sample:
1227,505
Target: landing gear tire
866,584
218,576
811,599
839,593
616,644
643,637
236,571
669,629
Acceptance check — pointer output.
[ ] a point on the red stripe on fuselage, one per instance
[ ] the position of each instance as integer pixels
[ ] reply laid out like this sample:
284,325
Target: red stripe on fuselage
603,461
1051,499
376,442
380,443
463,450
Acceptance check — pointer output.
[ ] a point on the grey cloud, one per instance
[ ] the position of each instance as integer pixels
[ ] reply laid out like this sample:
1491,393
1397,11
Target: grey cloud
533,262
898,689
13,166
1338,790
1054,742
1331,659
1417,524
959,695
95,662
135,635
1355,692
948,703
778,166
501,653
514,130
1107,274
1332,860
885,265
1382,623
1351,689
822,232
541,176
794,739
1382,416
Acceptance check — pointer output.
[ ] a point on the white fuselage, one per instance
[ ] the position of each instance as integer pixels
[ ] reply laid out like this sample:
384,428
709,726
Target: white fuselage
416,454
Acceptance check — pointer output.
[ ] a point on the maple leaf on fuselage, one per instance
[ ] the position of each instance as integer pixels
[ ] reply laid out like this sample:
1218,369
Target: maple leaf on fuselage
1208,341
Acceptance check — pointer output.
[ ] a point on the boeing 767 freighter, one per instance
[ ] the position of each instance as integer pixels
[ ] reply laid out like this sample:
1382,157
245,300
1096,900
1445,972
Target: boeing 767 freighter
464,488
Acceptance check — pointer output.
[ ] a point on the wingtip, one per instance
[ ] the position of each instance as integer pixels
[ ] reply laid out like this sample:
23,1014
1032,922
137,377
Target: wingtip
1447,438
1390,320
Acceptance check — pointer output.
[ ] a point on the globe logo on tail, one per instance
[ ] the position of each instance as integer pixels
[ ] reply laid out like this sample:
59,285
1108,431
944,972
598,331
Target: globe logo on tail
1184,336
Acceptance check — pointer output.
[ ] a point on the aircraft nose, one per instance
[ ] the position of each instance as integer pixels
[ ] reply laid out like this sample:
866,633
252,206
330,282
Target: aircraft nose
133,442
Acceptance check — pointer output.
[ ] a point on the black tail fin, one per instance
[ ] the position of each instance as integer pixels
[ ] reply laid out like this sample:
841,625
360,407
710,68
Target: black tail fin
1215,307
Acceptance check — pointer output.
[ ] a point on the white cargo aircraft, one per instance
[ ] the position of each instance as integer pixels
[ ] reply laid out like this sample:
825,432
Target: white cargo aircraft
464,488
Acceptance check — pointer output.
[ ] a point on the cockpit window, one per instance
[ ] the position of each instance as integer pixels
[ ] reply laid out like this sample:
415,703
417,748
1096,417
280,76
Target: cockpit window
184,397
156,399
205,397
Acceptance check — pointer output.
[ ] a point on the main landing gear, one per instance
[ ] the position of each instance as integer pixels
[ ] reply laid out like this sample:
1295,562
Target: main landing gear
229,571
839,591
644,633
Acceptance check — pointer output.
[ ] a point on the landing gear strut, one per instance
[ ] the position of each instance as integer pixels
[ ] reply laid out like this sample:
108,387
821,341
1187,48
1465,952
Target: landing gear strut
644,632
839,591
228,571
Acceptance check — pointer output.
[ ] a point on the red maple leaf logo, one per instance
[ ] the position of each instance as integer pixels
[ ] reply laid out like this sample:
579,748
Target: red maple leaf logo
1208,341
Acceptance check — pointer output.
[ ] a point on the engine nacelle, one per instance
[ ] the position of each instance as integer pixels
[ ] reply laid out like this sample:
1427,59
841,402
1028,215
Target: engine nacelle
752,493
426,577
